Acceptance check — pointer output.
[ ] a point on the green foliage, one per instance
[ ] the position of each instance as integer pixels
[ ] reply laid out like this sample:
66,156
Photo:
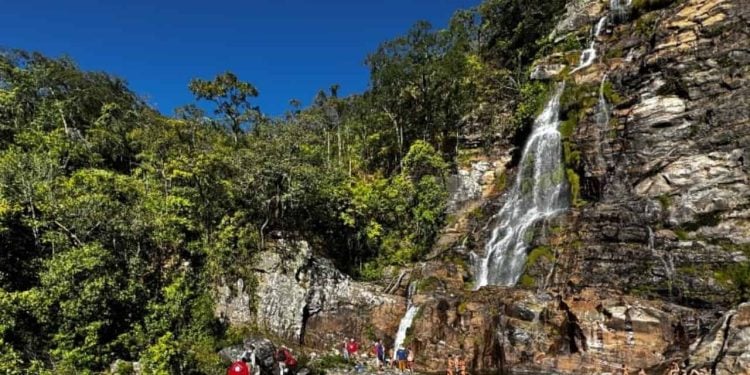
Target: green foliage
539,252
665,201
737,275
575,187
645,26
534,95
329,361
513,29
527,281
501,181
575,101
116,221
231,97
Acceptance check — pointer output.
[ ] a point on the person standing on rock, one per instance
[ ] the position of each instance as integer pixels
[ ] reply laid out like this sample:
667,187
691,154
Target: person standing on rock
380,353
461,365
451,365
401,356
238,368
249,355
351,348
410,359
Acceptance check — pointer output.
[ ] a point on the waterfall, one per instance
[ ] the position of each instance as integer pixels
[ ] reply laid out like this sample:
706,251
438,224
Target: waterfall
602,121
668,263
589,54
602,107
539,192
404,326
619,10
599,26
411,312
410,292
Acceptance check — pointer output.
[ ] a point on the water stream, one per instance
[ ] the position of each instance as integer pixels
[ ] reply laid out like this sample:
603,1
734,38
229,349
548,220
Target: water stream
406,321
589,54
540,191
619,9
405,324
602,117
666,261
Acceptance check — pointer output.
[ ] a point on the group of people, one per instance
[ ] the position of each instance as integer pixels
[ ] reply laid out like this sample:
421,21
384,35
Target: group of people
674,369
401,358
456,365
246,365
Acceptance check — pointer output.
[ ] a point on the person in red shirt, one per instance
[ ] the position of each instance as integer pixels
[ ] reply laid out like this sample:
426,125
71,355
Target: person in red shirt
351,348
238,368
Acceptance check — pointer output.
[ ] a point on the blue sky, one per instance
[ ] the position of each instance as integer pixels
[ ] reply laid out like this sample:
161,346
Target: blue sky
286,48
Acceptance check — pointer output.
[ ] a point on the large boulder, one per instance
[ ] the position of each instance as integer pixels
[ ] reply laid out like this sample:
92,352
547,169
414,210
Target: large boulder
304,298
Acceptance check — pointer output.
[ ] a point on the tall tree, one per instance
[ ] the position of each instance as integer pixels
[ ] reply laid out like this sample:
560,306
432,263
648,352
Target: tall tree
232,99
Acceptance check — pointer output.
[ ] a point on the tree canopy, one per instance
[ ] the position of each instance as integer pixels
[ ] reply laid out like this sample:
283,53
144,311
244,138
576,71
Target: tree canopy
116,221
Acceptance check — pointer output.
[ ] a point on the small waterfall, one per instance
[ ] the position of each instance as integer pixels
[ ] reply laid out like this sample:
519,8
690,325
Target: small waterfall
410,292
406,321
405,324
619,9
602,117
600,26
589,54
540,191
667,263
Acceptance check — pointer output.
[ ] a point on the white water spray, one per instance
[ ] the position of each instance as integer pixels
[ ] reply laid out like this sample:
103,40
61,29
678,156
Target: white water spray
619,9
589,54
540,191
406,321
602,117
405,324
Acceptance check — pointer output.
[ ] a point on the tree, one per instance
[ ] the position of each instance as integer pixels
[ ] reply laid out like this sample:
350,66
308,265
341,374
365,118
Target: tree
232,99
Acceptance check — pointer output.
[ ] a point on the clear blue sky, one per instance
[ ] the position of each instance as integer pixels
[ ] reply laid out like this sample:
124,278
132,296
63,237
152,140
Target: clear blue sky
286,48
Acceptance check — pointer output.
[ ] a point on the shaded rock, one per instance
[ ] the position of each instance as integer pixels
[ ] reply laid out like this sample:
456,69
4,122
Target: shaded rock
725,348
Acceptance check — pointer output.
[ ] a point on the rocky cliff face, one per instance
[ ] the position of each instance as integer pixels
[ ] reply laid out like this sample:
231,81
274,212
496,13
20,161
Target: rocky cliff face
304,299
637,273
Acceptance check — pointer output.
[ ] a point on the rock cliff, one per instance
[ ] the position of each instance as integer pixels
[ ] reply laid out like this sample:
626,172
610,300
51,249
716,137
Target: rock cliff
637,270
640,272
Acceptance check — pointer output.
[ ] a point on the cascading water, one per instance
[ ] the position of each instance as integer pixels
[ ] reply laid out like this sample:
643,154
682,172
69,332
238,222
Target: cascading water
539,192
619,9
668,263
602,121
405,324
589,54
408,318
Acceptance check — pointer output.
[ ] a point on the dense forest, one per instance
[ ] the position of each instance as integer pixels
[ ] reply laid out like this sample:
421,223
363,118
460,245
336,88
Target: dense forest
116,220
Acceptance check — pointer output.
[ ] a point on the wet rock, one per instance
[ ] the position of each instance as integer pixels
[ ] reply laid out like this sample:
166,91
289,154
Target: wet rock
725,347
545,72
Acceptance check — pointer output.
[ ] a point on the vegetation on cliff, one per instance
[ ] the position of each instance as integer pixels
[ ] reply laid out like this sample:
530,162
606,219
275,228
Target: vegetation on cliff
115,220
